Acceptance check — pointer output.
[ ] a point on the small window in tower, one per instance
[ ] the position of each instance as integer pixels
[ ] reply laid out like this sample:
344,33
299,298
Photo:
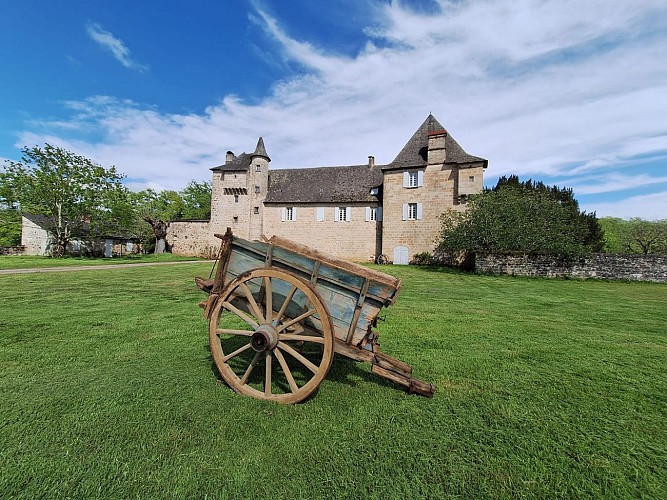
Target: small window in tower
256,189
236,220
258,168
471,178
236,198
256,210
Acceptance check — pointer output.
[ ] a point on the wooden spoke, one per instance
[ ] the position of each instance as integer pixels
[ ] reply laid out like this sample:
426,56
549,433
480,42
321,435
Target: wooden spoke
252,303
228,331
298,319
236,352
267,371
303,338
268,294
288,374
252,365
230,307
313,368
283,308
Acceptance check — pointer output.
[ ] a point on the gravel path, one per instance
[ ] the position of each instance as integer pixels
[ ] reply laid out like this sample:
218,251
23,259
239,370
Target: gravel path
101,266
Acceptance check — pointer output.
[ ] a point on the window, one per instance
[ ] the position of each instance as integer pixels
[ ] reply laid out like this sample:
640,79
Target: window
236,219
320,214
471,178
343,214
288,214
256,189
373,214
258,168
413,179
236,198
256,210
463,199
412,211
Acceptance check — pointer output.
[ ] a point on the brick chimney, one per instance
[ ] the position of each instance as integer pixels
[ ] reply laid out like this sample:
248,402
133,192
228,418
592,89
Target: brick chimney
229,158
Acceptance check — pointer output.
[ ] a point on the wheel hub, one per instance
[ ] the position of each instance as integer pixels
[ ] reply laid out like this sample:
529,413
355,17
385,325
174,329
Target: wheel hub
265,338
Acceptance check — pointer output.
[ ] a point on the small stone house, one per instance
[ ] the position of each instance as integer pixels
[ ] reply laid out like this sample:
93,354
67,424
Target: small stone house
36,240
355,212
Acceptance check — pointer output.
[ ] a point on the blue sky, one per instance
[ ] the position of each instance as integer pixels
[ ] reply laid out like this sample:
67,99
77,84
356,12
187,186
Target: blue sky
570,92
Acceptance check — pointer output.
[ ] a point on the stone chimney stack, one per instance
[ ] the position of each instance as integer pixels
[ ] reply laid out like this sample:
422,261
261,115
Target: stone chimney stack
229,158
437,147
371,161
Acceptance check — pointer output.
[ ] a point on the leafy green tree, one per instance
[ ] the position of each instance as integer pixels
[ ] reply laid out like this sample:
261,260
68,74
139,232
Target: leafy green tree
516,217
196,198
75,194
10,227
157,209
634,236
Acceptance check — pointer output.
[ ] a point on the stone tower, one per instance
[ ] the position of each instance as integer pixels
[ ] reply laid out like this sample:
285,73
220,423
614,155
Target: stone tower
238,192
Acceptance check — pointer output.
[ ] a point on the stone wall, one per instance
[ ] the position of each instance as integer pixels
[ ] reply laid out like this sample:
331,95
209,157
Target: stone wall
601,266
17,250
35,239
192,238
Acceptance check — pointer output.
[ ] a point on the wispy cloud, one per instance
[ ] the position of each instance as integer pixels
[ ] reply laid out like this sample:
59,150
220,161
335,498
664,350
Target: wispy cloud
542,88
114,45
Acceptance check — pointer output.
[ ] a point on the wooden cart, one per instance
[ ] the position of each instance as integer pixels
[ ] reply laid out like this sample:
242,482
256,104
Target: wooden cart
278,311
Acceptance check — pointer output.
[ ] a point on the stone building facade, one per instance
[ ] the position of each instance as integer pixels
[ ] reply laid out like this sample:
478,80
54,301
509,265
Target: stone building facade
354,212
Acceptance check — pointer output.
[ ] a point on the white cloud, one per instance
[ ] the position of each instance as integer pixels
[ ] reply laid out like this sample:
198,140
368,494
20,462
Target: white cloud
108,42
650,207
539,87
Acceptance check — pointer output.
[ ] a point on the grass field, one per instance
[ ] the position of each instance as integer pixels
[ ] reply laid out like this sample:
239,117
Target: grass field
33,261
546,388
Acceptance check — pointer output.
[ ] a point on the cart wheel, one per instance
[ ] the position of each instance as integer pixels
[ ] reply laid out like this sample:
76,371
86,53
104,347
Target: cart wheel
271,336
382,259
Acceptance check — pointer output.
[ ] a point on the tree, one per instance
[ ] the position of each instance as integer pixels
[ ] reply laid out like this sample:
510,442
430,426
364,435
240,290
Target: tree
635,236
75,194
516,217
196,198
157,209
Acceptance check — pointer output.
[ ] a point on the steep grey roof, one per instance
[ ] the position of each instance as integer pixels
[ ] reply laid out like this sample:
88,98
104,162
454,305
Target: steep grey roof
324,185
242,162
239,163
415,151
41,220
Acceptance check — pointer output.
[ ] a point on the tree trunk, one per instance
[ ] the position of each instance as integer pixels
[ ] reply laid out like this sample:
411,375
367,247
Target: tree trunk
160,231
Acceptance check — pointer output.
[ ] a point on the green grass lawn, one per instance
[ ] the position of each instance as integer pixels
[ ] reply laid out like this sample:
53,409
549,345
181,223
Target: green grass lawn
546,388
33,261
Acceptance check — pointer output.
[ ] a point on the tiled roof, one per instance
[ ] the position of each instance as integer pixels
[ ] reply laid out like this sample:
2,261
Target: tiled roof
415,151
242,162
324,185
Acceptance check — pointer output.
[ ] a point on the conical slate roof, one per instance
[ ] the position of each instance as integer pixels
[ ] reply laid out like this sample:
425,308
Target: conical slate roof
242,161
415,151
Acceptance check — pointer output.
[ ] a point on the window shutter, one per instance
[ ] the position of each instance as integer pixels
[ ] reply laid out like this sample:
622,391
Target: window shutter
283,214
406,179
419,211
337,214
379,214
420,178
405,211
368,214
293,213
348,214
320,214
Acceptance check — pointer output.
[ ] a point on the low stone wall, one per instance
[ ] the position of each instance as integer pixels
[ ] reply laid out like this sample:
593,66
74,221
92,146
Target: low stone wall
17,250
192,238
601,266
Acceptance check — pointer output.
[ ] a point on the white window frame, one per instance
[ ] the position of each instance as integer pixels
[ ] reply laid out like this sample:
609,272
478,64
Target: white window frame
288,214
413,211
319,214
373,214
343,214
258,168
413,178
